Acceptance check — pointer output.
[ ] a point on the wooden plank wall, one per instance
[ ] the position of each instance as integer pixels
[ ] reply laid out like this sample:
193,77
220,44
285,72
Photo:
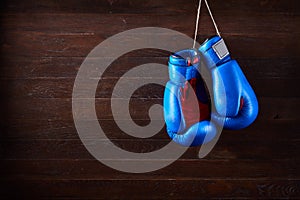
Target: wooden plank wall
43,43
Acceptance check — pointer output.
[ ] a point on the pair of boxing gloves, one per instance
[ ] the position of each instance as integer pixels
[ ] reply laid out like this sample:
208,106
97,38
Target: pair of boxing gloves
192,118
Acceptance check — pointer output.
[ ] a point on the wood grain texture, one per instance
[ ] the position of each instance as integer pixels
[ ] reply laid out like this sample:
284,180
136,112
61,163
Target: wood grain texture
63,88
148,6
74,149
188,169
61,109
20,44
43,44
67,67
154,189
36,129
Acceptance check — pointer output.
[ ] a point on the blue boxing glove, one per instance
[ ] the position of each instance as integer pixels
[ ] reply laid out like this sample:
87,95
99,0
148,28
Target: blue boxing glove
186,104
234,100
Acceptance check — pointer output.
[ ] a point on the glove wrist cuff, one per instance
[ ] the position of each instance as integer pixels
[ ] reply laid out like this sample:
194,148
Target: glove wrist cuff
184,65
181,74
214,52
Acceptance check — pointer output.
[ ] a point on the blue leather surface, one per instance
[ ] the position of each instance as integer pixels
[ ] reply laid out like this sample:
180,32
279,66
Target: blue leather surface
179,72
229,86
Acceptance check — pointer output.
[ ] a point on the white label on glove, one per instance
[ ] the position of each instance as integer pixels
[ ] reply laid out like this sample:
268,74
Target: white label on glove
221,49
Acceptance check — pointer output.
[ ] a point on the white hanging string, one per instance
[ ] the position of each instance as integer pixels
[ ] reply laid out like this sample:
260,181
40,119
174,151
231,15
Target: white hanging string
212,18
197,21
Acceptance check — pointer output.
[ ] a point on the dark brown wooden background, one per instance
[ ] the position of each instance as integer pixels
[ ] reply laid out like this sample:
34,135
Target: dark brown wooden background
43,43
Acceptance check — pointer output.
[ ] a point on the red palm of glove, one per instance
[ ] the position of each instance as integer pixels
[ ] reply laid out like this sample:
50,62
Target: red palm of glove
188,103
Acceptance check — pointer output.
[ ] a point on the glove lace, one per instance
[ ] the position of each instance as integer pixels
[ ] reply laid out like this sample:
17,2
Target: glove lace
197,21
